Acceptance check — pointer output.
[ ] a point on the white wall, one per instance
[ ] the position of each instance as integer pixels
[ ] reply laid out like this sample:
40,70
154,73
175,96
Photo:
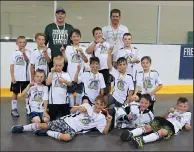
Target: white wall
165,59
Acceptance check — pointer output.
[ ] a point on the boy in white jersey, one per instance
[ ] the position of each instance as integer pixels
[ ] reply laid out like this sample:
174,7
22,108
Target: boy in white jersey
74,55
58,96
134,114
99,48
130,53
162,127
123,82
148,81
86,117
93,81
19,70
40,57
37,96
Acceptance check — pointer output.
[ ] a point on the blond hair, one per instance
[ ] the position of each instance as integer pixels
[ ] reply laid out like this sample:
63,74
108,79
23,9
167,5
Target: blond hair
58,58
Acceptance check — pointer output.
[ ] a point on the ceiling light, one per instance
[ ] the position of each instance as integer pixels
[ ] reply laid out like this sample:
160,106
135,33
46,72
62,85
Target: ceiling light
79,17
6,37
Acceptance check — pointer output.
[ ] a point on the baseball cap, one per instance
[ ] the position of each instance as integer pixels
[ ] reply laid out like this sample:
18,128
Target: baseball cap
60,9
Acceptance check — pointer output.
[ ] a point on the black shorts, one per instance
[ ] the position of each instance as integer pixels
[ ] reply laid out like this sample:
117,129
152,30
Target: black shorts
106,75
58,110
78,88
19,86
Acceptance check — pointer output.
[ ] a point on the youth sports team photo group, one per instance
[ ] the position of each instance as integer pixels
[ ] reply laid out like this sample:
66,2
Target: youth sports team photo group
71,89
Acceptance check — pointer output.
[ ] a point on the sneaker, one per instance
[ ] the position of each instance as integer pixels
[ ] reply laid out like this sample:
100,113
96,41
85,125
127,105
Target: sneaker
41,132
137,142
15,113
17,129
126,135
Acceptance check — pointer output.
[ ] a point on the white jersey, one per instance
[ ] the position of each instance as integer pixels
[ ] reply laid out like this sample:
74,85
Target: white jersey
87,65
179,120
36,96
148,81
139,118
21,67
39,61
114,37
122,85
92,84
73,59
58,92
101,51
82,122
129,54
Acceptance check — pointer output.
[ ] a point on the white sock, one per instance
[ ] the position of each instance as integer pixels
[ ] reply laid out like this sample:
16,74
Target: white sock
151,137
30,127
71,100
53,134
78,98
138,131
14,104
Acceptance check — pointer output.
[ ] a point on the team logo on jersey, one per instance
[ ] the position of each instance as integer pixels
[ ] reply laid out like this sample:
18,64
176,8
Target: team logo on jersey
121,85
128,57
147,83
19,60
86,120
37,96
59,37
104,49
58,84
179,118
42,60
94,84
76,58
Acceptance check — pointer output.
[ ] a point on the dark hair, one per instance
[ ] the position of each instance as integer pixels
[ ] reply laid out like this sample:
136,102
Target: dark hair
115,11
94,59
127,34
147,58
39,34
121,59
96,29
76,31
182,100
147,97
40,71
21,37
102,100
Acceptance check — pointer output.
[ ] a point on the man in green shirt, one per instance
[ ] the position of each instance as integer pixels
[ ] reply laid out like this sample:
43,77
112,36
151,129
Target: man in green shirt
57,35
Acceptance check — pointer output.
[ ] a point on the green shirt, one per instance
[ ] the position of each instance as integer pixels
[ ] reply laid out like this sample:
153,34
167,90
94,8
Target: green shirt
55,38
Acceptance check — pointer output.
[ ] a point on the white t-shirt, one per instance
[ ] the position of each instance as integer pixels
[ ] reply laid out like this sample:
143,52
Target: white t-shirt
39,61
101,51
179,119
58,92
87,65
114,37
21,67
73,59
129,54
36,96
82,122
92,84
122,85
147,81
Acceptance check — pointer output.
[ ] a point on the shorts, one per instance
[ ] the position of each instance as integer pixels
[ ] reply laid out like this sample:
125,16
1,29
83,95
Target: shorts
34,114
61,126
107,80
112,100
19,86
161,123
78,88
58,110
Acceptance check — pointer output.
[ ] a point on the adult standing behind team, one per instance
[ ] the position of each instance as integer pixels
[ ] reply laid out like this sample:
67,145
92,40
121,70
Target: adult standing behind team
57,35
114,33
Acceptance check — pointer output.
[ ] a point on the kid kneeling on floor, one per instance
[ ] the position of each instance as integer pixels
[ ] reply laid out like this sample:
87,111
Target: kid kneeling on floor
65,128
37,96
162,127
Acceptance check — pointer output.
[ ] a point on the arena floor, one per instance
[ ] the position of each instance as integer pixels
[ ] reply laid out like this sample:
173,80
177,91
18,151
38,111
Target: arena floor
92,141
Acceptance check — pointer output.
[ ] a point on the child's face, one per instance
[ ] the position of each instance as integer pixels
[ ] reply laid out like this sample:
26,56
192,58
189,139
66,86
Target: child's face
40,41
21,43
145,64
58,66
98,34
75,38
39,77
122,66
127,41
182,107
144,104
98,106
94,66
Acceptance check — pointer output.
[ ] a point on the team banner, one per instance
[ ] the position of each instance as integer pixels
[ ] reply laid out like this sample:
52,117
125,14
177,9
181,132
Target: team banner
186,62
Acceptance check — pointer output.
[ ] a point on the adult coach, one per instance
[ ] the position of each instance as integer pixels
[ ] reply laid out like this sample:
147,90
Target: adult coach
57,35
114,33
